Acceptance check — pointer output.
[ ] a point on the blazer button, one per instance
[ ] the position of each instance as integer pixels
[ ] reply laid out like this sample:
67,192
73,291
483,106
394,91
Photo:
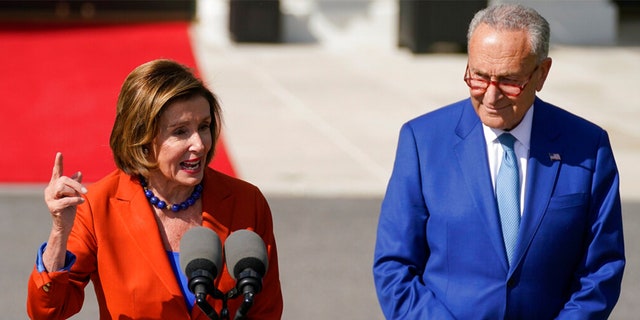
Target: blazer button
46,287
511,283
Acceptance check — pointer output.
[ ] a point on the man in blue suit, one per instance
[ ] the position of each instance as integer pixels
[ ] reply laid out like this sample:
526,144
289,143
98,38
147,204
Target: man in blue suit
448,247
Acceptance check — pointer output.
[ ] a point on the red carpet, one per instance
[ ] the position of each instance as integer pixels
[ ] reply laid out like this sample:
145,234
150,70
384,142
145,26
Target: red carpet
59,91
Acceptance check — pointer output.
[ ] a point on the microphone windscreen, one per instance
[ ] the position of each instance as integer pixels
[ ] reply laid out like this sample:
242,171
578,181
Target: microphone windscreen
200,249
245,249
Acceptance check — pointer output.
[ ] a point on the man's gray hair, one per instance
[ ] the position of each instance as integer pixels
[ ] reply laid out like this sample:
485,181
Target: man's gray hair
516,17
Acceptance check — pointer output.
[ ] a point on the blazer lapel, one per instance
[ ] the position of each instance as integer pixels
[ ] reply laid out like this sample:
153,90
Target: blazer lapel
141,225
215,193
542,169
471,153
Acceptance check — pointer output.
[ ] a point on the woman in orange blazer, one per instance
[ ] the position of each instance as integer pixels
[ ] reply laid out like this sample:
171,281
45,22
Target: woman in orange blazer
123,232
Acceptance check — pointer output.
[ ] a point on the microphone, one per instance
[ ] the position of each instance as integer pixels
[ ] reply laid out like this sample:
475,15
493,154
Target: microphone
201,260
247,263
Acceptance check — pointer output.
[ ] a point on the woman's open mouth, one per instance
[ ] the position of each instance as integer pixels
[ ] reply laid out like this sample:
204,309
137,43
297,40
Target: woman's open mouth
191,165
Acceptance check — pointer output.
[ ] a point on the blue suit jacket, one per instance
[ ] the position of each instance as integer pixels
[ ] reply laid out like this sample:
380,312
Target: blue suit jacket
439,252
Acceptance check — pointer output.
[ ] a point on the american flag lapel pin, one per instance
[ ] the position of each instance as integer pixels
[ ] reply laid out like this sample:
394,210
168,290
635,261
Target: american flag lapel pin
554,156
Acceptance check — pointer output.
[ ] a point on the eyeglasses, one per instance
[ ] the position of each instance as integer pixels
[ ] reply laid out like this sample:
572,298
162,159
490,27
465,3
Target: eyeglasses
509,88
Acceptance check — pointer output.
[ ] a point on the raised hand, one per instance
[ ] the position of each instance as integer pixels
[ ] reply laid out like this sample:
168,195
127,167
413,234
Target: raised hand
63,195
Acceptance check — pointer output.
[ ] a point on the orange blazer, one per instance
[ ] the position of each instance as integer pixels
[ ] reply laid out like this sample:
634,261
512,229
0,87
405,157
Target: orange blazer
118,247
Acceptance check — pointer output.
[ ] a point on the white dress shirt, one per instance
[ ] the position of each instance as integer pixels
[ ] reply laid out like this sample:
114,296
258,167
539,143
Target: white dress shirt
495,151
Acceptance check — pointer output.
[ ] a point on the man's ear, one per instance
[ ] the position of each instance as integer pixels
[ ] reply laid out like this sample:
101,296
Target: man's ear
545,66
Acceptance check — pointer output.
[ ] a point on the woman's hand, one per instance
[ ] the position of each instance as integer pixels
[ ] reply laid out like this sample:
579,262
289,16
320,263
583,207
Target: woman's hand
62,195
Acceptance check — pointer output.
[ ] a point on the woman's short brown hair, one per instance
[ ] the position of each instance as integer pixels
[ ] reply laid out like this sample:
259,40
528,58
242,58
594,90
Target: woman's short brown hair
143,97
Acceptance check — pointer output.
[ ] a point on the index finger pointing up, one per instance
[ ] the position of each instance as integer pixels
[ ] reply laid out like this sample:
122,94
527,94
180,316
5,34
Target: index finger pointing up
57,167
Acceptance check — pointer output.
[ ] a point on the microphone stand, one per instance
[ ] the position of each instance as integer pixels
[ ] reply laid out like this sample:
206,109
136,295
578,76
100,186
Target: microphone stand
250,283
202,285
247,302
201,301
248,286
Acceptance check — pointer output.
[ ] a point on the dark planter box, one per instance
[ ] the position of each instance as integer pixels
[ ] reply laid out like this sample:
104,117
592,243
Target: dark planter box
436,25
255,20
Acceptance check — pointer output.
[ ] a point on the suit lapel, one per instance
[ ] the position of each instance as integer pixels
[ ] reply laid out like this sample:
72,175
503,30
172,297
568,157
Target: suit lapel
141,225
471,153
542,170
215,193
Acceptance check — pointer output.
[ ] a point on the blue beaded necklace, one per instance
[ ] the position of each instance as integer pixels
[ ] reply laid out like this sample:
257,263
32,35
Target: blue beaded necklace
195,195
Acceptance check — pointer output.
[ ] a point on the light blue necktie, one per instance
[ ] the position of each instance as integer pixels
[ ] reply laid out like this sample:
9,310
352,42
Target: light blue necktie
508,194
